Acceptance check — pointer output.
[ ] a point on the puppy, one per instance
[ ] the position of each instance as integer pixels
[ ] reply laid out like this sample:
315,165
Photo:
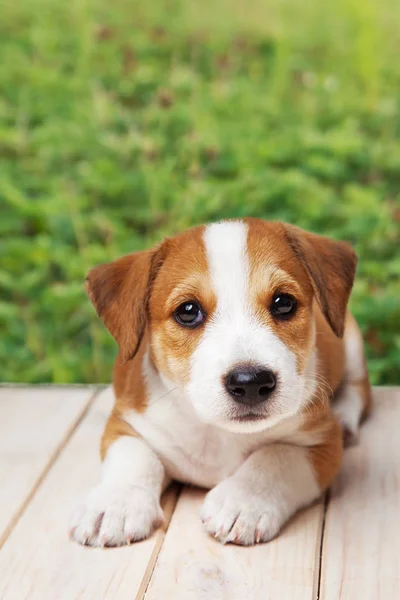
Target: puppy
235,351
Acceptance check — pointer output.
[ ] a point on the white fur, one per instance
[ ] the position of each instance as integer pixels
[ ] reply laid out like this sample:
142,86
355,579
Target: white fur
355,369
349,404
194,451
348,408
235,335
259,482
253,504
191,450
125,506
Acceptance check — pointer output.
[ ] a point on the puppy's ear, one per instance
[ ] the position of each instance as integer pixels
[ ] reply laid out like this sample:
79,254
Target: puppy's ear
331,266
120,293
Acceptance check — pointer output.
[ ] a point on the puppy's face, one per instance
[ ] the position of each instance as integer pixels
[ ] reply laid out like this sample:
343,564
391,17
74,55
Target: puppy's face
230,316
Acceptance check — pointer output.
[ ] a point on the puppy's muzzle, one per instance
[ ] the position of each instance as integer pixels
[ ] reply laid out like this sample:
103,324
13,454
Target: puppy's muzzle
250,385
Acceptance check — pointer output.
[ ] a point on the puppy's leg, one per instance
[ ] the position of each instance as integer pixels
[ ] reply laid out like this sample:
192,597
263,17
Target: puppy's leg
252,505
352,403
125,506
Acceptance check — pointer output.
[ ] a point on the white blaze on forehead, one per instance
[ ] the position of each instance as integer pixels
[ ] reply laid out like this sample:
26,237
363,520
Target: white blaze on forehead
226,247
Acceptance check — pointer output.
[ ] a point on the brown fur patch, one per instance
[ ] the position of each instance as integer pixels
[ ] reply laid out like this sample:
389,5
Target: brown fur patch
120,291
130,394
330,354
326,458
129,385
115,428
274,269
184,277
331,266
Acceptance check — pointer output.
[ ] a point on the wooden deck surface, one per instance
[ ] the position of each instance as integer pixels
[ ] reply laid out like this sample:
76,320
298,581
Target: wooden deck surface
345,547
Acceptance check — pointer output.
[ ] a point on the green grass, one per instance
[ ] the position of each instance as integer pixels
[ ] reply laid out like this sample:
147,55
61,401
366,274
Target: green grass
123,122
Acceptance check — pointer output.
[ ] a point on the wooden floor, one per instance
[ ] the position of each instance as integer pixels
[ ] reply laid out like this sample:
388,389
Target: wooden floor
345,547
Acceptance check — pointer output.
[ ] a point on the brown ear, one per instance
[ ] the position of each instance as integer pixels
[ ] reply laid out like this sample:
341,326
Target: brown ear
120,293
331,266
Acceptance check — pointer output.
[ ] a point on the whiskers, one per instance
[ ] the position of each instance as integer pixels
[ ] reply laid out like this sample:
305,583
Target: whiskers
321,391
163,396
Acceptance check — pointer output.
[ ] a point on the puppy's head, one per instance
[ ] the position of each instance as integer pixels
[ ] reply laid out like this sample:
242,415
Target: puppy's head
229,312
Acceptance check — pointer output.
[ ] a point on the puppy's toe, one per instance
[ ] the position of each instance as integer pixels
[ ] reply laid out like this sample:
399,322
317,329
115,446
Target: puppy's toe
350,435
350,428
114,517
85,525
234,514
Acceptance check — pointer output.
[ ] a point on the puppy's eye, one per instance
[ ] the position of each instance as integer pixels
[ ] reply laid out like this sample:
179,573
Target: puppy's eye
283,306
189,314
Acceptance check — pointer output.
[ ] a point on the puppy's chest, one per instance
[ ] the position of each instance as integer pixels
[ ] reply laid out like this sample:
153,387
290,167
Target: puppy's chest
191,451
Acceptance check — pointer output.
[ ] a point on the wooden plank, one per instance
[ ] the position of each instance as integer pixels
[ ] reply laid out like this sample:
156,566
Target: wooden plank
192,565
361,548
34,423
39,562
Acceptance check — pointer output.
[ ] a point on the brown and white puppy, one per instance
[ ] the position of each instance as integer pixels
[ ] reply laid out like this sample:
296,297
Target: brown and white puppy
233,339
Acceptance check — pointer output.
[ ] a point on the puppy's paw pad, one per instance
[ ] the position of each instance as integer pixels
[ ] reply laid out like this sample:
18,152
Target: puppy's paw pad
115,516
234,514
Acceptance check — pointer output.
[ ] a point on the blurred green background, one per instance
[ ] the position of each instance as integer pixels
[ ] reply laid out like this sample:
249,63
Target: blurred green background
124,121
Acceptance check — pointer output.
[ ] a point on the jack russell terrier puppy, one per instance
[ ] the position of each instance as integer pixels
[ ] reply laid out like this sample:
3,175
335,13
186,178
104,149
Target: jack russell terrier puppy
239,370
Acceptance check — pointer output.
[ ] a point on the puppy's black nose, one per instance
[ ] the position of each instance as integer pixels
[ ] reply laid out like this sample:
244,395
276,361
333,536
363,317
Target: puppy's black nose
250,385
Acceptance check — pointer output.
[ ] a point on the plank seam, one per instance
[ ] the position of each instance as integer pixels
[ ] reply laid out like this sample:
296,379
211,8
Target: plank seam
48,466
147,577
321,546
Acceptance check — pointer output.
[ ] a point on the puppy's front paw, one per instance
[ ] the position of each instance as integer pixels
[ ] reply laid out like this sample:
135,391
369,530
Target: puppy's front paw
113,516
232,512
